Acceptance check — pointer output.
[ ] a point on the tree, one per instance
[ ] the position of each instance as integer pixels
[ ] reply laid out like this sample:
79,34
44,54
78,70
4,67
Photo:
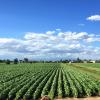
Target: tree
20,61
78,60
1,61
26,60
7,61
15,61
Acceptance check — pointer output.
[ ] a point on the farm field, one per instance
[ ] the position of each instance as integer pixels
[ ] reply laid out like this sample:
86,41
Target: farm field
57,80
90,68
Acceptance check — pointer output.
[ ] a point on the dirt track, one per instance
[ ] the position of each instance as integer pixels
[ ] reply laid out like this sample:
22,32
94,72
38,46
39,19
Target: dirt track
89,98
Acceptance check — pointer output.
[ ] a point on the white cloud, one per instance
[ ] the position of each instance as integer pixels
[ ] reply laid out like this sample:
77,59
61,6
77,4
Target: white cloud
94,18
58,29
51,45
81,24
50,32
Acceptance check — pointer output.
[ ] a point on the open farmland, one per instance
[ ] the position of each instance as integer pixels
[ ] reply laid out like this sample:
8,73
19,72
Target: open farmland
57,80
90,68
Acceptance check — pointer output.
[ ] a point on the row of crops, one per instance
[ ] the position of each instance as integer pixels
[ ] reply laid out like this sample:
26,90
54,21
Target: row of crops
57,80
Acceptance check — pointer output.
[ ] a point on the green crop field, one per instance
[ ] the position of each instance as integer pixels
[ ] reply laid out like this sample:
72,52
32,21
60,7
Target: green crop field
57,80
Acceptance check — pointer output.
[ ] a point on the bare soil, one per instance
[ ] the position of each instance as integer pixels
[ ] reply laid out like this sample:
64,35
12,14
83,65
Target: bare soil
88,98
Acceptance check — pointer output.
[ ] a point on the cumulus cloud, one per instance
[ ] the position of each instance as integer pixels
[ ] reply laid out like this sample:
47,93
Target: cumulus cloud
51,44
94,18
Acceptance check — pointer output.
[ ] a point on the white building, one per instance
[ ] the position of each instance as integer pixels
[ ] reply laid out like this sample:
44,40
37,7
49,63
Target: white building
93,61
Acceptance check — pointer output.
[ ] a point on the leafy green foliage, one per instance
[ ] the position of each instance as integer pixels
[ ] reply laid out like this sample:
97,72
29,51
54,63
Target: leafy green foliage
32,81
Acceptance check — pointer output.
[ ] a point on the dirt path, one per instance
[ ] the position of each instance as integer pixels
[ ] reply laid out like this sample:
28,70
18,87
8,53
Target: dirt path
89,98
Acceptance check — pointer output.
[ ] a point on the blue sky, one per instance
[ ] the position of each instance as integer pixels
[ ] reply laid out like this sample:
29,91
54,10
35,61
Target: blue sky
20,18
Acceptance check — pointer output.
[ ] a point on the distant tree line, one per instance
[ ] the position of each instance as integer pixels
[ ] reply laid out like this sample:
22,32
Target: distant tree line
26,60
15,61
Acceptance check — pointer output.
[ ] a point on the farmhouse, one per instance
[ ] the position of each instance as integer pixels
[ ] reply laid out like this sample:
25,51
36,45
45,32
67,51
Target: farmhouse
93,61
